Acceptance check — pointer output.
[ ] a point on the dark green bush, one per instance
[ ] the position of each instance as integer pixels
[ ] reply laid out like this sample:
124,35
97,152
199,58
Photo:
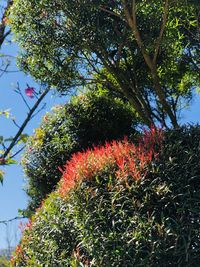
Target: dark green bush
86,120
118,221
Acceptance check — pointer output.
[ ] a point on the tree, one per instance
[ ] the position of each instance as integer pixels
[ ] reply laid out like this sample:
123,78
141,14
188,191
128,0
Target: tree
146,50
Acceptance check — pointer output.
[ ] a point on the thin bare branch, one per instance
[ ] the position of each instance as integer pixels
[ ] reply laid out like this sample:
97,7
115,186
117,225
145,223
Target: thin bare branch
9,71
13,219
29,115
18,90
17,152
15,123
4,70
38,111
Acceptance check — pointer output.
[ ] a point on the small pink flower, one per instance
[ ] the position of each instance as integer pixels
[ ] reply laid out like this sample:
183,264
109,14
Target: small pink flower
29,91
2,161
4,21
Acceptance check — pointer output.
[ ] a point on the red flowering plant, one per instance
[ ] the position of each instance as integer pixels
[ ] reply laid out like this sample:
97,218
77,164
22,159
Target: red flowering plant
19,257
134,225
125,158
107,187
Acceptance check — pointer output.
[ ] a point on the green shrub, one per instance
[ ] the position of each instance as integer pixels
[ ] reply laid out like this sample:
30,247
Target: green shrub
48,238
55,236
87,120
4,262
111,217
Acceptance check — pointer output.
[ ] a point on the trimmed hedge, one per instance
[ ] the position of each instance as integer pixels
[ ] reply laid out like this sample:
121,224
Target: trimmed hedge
87,120
114,218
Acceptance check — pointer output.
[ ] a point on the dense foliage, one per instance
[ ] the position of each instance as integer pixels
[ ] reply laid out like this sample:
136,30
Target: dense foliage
117,203
88,119
105,220
53,236
148,50
4,262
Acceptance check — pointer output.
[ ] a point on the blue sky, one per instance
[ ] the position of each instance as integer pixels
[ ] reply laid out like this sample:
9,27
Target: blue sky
12,196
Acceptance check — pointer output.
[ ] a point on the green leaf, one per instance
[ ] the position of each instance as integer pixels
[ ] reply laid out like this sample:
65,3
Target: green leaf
1,139
11,161
8,139
5,113
23,139
1,176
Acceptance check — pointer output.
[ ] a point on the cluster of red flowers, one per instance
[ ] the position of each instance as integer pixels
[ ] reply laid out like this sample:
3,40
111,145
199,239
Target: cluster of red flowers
127,159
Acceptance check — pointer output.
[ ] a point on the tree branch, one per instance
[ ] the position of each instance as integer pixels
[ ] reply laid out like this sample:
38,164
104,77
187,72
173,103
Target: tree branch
110,12
13,219
132,22
29,115
3,35
133,25
164,21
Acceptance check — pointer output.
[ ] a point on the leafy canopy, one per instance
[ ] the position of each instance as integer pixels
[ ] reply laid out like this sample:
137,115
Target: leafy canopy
148,50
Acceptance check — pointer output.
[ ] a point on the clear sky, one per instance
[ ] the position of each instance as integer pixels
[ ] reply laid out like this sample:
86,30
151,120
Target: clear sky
12,196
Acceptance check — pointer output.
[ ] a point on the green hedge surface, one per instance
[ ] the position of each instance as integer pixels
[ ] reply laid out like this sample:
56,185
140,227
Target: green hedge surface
128,205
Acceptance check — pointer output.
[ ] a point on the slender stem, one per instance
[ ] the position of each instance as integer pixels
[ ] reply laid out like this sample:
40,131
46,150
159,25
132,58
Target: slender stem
13,219
29,115
23,98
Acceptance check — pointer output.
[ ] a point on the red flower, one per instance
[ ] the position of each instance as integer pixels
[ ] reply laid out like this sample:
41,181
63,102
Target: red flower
29,91
18,249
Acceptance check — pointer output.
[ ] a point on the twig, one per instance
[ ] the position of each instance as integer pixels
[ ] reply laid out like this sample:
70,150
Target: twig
13,120
29,115
13,219
44,105
9,71
16,153
5,70
18,90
